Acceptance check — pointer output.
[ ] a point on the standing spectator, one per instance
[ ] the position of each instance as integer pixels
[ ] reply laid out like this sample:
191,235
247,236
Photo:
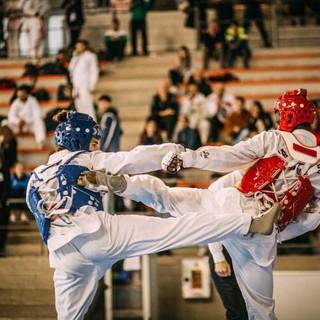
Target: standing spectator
115,41
188,137
213,40
164,109
19,181
2,42
193,106
4,208
220,103
183,68
14,14
74,19
110,125
35,13
202,81
236,120
224,13
138,21
25,116
254,13
8,146
225,281
84,74
237,45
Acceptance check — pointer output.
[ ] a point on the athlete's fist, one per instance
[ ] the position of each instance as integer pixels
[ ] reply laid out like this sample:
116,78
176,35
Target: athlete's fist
87,177
171,162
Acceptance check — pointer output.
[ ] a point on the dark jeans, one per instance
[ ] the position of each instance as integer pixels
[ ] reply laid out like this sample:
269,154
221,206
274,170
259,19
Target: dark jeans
74,35
137,25
242,50
4,221
229,292
116,49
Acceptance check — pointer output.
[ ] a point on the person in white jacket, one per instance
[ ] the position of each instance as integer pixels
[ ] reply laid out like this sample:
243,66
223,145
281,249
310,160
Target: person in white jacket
83,240
279,166
25,116
84,75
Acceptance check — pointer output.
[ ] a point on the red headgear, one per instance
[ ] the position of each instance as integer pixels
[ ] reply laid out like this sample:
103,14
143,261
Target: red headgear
294,109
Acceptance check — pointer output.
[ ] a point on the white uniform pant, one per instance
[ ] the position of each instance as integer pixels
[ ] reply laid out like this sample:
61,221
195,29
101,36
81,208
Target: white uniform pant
35,31
202,125
254,274
37,127
83,261
84,101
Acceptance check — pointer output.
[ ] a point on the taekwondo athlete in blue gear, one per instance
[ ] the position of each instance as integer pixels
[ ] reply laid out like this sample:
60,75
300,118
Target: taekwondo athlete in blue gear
83,241
68,193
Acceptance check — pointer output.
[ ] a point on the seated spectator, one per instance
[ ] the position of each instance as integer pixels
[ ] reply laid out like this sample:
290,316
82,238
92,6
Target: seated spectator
150,134
193,106
236,120
237,45
115,41
19,181
213,40
110,125
25,116
8,146
183,68
220,104
4,207
203,83
164,109
187,136
259,121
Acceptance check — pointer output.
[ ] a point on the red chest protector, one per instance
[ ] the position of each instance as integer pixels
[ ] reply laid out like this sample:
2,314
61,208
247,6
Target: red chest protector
264,172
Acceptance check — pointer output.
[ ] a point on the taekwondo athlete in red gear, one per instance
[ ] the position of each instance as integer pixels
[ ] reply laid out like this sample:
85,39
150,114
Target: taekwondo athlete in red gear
292,155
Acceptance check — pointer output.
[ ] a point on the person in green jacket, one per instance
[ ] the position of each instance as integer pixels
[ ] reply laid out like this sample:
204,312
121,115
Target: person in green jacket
115,41
138,22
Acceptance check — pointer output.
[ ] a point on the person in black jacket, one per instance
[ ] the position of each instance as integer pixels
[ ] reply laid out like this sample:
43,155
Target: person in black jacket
74,18
4,207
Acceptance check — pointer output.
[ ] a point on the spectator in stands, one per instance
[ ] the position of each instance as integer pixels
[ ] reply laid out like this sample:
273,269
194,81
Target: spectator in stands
110,125
115,40
138,22
224,12
14,14
236,120
183,68
297,11
237,45
4,207
220,103
35,14
25,116
165,109
74,18
194,106
213,41
8,146
254,13
2,42
202,81
19,181
259,121
188,137
84,74
151,133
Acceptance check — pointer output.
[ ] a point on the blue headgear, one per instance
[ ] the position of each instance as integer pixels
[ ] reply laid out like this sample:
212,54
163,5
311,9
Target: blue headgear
76,133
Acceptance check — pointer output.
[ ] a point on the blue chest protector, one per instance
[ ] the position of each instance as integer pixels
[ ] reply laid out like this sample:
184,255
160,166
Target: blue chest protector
70,196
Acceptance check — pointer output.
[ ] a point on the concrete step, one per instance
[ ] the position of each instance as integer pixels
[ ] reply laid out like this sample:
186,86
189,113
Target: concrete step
44,312
34,157
27,297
